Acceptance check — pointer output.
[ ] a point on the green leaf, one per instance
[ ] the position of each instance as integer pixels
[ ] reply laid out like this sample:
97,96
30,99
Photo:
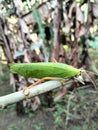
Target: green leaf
39,21
80,1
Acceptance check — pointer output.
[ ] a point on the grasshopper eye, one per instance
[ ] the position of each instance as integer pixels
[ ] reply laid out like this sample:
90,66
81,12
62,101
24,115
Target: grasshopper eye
82,71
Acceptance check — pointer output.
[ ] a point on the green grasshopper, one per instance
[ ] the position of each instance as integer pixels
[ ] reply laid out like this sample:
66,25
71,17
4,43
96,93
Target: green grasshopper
46,71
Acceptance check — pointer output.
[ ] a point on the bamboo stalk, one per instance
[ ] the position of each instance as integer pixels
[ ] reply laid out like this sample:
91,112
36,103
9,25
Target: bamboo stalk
36,90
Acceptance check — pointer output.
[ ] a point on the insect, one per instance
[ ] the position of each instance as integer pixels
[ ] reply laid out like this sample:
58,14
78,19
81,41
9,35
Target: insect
46,71
42,69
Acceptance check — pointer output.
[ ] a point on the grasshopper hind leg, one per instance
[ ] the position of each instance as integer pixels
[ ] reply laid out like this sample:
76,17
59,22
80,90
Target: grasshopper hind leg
26,89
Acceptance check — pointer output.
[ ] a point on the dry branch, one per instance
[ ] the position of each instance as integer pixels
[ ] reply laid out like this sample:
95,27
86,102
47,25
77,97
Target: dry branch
36,90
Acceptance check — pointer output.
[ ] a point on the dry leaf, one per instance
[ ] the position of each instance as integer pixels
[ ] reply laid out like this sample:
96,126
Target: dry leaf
26,57
82,31
32,80
60,94
80,16
29,18
19,6
36,103
22,82
88,76
71,9
12,80
27,103
67,27
5,29
44,8
23,26
95,10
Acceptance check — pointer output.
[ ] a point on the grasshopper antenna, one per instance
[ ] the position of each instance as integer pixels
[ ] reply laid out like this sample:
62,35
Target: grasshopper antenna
91,80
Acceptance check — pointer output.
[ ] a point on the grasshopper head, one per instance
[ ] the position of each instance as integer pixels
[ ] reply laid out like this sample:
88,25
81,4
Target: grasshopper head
79,77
